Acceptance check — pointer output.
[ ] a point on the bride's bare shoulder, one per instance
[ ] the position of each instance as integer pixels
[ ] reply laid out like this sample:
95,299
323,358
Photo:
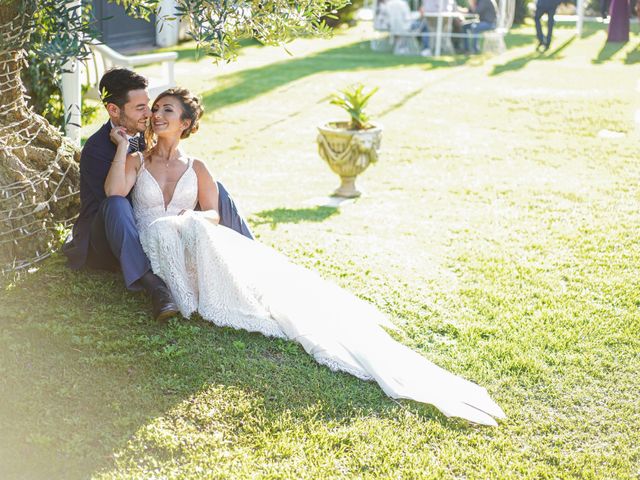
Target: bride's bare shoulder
202,173
200,167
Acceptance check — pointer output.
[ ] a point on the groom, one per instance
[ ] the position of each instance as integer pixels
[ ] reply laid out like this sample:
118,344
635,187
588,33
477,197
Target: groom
105,234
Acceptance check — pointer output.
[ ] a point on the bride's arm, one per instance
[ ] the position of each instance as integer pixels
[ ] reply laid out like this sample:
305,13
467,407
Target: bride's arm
207,188
122,174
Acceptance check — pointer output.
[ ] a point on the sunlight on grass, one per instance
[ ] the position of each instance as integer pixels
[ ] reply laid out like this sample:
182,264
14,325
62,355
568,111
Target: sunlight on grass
499,231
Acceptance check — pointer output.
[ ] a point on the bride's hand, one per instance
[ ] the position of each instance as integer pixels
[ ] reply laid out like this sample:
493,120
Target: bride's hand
210,215
118,136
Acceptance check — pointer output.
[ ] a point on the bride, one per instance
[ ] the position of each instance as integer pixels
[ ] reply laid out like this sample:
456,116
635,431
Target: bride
236,282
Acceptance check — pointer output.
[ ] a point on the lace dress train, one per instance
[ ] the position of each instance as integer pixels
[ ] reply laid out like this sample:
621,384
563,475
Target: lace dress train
236,282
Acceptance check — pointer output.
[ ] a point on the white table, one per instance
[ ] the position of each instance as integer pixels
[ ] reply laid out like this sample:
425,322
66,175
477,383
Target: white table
440,16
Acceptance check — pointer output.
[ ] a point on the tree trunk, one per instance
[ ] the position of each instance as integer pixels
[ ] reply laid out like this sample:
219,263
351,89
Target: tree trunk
39,173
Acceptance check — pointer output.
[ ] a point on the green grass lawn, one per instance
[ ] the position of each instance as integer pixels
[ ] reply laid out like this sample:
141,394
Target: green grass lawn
499,231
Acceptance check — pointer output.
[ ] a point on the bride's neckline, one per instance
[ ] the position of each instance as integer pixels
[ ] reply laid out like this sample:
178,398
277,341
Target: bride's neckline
176,155
166,204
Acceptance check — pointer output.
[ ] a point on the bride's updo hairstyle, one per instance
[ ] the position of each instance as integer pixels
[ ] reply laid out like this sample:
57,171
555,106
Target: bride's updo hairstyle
192,109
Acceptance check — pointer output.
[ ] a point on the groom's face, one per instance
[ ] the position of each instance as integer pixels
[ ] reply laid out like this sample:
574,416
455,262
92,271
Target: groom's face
134,116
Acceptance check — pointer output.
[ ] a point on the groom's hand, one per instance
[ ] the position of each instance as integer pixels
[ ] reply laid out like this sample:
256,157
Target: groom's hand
118,136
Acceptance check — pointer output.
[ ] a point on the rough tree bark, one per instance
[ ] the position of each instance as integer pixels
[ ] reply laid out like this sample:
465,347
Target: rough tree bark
39,172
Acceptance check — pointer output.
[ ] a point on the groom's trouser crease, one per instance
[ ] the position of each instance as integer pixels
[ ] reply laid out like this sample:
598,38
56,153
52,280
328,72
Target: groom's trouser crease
114,242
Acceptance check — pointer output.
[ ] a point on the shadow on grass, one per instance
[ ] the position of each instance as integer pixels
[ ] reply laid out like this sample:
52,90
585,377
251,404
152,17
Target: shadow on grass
248,84
521,62
193,54
293,215
84,369
555,54
633,55
588,28
251,83
516,40
609,49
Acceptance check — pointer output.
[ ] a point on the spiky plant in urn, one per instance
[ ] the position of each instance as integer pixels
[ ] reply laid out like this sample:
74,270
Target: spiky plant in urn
349,147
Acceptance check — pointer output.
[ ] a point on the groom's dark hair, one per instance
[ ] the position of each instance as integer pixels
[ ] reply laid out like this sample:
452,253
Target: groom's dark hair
116,84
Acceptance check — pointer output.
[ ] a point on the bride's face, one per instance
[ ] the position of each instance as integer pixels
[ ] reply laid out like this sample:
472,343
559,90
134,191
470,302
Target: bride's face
166,117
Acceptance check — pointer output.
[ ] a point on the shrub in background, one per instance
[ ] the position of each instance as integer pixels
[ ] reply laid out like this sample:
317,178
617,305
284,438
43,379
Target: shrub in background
345,15
42,77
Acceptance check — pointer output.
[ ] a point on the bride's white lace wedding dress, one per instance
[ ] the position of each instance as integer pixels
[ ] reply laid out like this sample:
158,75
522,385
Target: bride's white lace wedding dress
236,282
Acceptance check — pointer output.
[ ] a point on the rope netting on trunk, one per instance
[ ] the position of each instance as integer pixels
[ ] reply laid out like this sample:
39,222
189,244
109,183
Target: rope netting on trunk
38,167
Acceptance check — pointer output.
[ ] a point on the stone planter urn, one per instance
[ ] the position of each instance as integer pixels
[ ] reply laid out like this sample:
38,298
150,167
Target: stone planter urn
348,152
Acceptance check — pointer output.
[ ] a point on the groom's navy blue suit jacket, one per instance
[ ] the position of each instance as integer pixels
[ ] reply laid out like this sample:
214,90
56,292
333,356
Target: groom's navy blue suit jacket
95,162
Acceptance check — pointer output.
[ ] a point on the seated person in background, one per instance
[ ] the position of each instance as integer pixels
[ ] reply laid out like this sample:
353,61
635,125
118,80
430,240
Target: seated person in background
399,15
487,13
421,25
457,26
381,17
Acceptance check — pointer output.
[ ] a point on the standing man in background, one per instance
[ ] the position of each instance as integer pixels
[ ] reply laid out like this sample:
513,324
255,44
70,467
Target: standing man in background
549,7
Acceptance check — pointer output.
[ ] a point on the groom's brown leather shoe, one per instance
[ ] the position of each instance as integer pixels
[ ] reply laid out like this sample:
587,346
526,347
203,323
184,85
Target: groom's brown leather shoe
162,304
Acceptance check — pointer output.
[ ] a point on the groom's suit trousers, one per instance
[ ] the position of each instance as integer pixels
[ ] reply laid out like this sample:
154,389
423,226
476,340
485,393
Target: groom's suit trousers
114,242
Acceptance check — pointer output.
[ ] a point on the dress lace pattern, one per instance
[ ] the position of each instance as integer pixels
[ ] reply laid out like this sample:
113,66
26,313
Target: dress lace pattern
236,282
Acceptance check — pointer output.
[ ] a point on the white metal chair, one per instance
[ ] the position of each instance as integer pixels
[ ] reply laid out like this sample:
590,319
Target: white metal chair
90,70
103,58
381,42
405,42
494,39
